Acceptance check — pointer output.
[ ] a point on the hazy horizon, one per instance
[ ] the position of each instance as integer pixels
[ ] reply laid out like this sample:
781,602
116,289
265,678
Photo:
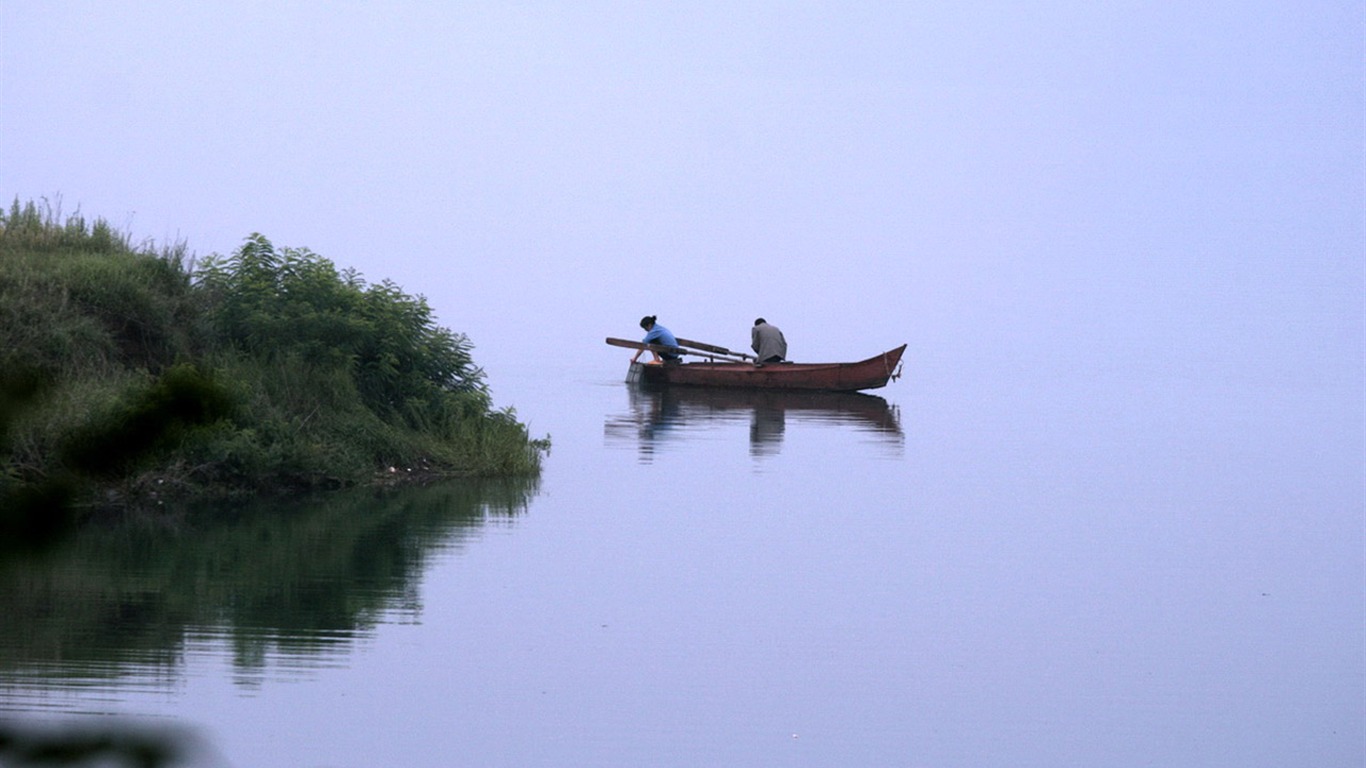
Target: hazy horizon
1017,192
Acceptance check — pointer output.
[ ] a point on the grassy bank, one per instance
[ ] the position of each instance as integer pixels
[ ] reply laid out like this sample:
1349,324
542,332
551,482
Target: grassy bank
128,376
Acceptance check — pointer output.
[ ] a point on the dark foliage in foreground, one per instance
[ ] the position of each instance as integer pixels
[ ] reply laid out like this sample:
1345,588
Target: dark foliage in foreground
134,748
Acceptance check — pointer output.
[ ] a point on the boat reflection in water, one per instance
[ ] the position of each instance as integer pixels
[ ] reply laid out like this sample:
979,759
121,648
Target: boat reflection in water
657,417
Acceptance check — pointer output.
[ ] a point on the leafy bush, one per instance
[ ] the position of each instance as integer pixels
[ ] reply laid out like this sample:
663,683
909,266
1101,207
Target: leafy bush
294,301
342,366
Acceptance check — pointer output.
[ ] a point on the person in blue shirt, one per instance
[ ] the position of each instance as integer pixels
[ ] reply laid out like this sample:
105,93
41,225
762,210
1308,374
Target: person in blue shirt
657,334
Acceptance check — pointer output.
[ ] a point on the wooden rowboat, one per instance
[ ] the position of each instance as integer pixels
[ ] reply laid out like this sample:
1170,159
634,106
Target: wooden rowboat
720,371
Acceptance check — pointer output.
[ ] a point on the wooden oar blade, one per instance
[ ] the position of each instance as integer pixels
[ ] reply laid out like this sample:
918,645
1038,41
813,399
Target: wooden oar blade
734,357
625,343
647,347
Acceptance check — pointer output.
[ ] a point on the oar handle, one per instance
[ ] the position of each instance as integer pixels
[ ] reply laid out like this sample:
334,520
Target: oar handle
714,348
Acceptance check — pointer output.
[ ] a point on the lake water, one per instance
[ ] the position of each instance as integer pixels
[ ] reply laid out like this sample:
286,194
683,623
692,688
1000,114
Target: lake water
1038,568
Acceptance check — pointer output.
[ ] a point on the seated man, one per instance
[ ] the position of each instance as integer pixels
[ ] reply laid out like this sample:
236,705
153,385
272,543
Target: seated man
768,342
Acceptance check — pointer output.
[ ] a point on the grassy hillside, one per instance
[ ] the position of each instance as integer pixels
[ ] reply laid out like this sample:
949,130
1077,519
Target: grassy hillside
127,377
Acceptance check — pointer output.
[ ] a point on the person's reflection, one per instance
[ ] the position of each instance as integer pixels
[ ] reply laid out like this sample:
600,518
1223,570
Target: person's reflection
662,417
766,425
652,417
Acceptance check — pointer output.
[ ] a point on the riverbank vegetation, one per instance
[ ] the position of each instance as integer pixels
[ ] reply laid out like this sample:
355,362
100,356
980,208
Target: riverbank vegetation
129,375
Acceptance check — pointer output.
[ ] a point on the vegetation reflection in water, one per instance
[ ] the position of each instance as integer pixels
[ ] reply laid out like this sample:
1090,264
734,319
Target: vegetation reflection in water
657,416
299,581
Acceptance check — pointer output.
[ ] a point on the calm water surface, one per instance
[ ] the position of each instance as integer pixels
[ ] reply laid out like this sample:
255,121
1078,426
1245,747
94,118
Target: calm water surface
959,571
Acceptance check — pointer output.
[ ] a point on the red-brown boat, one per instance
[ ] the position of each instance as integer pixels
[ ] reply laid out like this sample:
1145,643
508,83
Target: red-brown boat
718,371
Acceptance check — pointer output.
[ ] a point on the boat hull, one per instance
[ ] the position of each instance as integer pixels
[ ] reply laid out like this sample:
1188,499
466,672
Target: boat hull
872,373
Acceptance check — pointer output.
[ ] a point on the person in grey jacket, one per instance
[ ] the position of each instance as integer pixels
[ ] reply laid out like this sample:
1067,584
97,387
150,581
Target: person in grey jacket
768,342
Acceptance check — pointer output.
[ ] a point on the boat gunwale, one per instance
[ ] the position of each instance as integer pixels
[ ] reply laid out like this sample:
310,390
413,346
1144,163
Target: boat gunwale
842,377
793,365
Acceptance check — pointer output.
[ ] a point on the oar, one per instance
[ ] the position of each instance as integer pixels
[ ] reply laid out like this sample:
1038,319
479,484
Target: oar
664,348
714,348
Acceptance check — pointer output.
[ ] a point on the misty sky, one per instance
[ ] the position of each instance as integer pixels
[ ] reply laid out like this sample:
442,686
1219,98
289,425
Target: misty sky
1005,186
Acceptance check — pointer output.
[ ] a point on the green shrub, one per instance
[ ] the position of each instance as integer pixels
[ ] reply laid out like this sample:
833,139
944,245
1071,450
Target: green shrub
265,370
293,301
